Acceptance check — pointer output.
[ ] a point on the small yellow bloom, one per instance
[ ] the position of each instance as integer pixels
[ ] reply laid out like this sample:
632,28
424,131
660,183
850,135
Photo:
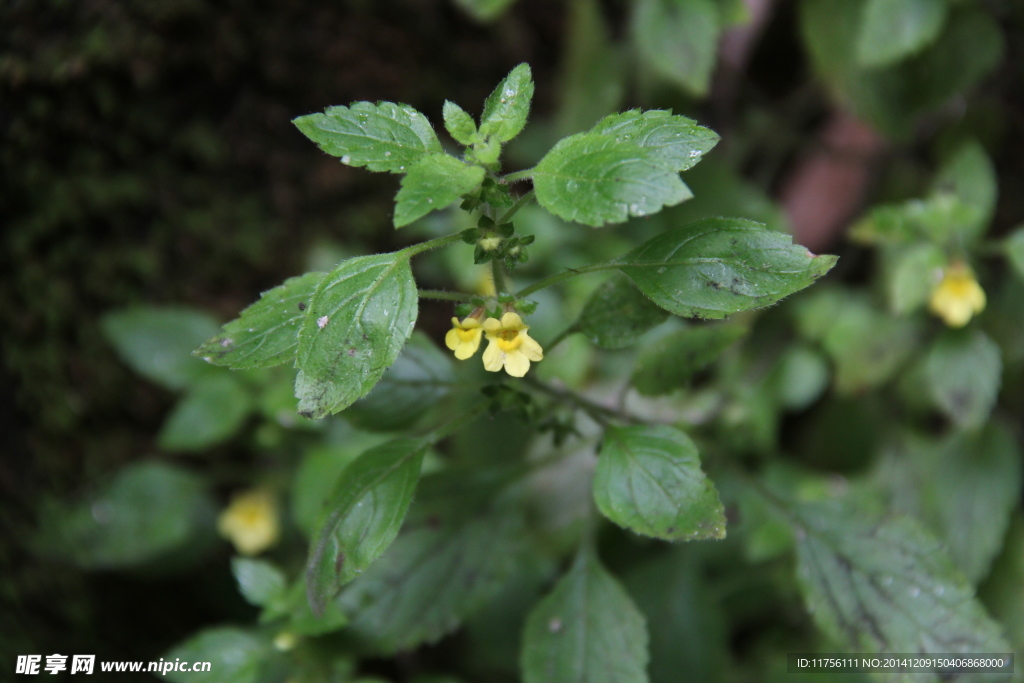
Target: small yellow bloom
509,345
464,337
285,640
251,521
958,296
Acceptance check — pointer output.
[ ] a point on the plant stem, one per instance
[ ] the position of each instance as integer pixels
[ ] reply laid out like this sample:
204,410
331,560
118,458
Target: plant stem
525,199
518,175
565,275
598,412
500,281
431,244
445,296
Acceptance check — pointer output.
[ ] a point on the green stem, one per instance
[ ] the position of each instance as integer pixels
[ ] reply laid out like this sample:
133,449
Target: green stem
518,175
500,281
565,275
523,201
445,296
431,244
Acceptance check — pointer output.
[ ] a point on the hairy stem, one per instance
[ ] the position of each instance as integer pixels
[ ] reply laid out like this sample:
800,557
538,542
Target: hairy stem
564,275
431,244
444,296
523,201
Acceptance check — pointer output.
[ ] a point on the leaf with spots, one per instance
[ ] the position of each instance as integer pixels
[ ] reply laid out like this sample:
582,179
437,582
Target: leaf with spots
356,324
363,516
649,480
382,137
717,266
886,586
267,332
587,630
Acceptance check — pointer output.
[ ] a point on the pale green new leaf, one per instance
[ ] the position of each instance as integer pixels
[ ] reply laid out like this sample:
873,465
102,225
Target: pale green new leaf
363,516
717,266
235,656
649,480
627,165
212,410
1014,248
675,141
617,314
382,137
461,542
458,123
964,371
432,183
420,377
507,108
267,332
156,342
887,587
679,40
587,630
259,581
356,324
669,362
894,29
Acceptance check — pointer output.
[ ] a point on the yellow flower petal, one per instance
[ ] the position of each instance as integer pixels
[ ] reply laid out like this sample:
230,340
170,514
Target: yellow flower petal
958,297
517,364
494,358
491,326
531,348
251,522
451,340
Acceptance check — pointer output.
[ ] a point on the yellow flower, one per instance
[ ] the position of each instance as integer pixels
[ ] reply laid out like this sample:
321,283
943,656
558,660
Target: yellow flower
251,521
958,296
509,345
464,337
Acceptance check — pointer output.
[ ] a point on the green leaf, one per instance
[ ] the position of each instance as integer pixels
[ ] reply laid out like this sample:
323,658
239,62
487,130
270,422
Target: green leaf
649,480
148,511
212,410
676,142
912,276
235,656
433,183
1003,591
356,324
964,371
363,516
1014,248
485,10
679,40
459,124
507,108
964,488
259,581
267,332
459,545
627,165
382,137
587,630
157,342
419,379
617,314
970,176
669,362
895,29
301,618
717,266
687,623
802,377
887,586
